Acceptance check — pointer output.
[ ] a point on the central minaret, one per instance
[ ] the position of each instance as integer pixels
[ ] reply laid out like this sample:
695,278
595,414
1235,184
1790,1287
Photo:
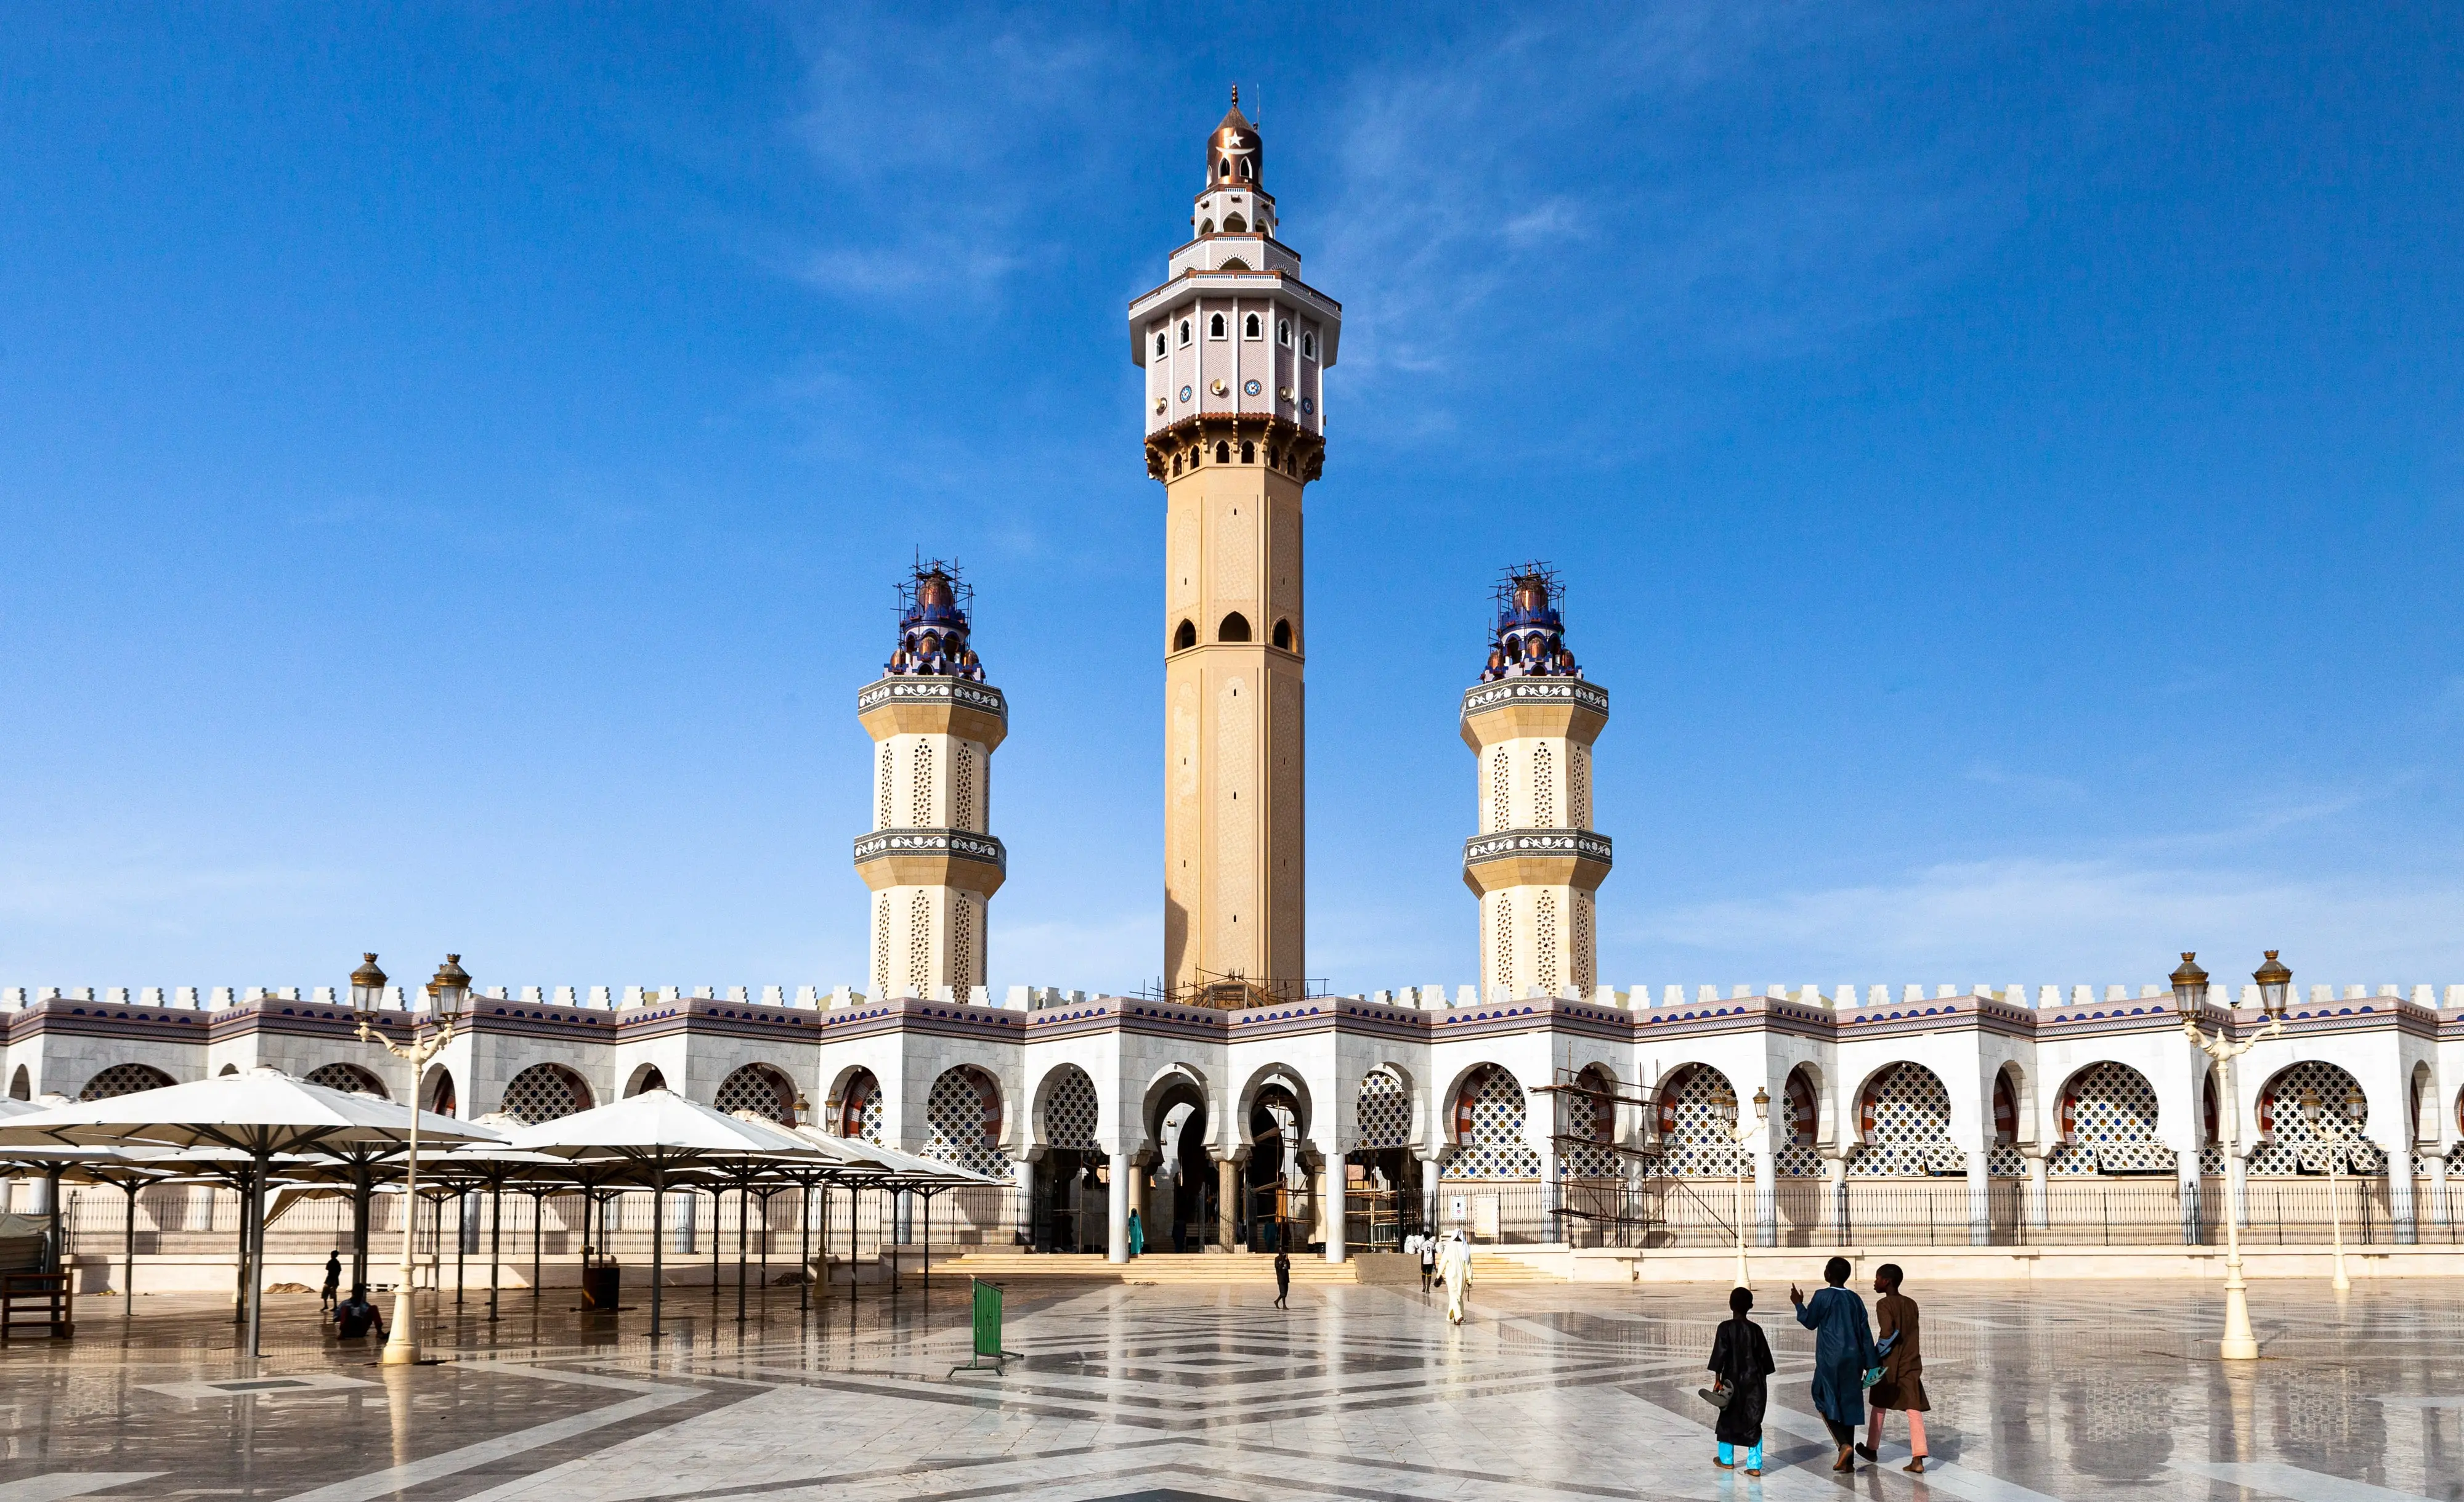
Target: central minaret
1235,346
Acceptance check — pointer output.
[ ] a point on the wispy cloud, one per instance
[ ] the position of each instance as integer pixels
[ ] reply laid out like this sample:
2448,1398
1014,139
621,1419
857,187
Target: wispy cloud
952,145
1572,185
2032,922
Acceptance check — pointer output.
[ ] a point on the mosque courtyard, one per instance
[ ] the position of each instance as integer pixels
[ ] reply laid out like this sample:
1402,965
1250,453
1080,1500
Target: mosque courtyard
1177,1391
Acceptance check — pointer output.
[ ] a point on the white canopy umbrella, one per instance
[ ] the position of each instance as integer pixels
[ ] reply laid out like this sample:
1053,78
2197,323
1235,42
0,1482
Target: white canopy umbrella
660,1132
261,1112
895,1169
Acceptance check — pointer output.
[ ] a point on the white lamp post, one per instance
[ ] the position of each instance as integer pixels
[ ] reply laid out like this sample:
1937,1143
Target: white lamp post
2332,1142
1726,1103
2190,994
445,995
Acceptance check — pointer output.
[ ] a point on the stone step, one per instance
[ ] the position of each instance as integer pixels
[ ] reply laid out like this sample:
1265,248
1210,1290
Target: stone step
1197,1268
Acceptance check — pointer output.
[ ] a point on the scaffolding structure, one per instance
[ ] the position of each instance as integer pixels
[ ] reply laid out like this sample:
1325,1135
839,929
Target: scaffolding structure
1629,1208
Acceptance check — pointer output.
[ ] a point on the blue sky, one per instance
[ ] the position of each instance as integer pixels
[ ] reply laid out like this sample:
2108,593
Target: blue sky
2004,460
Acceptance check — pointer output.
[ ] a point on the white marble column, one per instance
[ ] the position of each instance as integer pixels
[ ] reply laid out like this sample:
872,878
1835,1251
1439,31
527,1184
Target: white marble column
1024,1169
1227,1202
1330,1195
2399,1163
1980,1193
2041,1173
2439,1214
1835,1168
1116,1233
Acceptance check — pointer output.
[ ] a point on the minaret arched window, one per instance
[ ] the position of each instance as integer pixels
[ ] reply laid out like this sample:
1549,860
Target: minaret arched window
1222,453
1235,629
1248,454
1158,344
1206,227
1252,328
1308,344
1234,223
1282,335
1222,170
1215,326
1184,333
1284,634
1244,170
1185,637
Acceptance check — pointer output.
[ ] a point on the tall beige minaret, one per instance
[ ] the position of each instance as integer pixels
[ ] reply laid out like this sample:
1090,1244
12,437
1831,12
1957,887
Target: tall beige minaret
1536,864
1235,346
931,859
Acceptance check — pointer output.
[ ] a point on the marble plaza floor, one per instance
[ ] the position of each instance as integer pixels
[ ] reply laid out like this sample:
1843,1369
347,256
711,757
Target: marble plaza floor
1559,1392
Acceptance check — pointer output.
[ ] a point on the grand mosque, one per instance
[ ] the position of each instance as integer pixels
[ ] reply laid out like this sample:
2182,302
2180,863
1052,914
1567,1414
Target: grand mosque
1240,1106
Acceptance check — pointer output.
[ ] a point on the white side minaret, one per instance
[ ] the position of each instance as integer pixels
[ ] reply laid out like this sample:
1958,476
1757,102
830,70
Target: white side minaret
1536,864
1234,347
931,860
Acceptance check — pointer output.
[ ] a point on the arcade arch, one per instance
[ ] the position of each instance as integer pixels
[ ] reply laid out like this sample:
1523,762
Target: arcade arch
2106,1117
1800,1125
1694,1105
760,1089
351,1079
124,1080
544,1093
1073,1207
1904,1125
2308,1112
962,1121
1487,1129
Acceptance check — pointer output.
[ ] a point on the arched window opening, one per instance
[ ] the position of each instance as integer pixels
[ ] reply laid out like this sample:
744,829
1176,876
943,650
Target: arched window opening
1284,634
759,1088
348,1078
1248,453
1283,332
1233,263
544,1093
1185,637
1215,326
1235,629
124,1080
1244,170
1184,333
1234,223
1222,453
1205,226
1159,346
1175,463
1222,170
1309,347
1253,327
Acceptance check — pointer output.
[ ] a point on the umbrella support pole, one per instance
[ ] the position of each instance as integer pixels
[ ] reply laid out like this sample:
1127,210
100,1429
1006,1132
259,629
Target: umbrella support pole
539,1219
496,1229
717,1205
805,1252
256,1253
128,1254
461,1240
658,1245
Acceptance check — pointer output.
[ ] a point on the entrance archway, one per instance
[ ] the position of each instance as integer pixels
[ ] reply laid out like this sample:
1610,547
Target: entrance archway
1181,1209
1072,1209
1275,1182
1382,1190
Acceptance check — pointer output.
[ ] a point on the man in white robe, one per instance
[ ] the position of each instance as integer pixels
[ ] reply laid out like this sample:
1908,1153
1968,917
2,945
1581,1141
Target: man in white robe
1454,1267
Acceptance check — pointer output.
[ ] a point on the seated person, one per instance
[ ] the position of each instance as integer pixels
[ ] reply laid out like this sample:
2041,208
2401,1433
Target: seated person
355,1316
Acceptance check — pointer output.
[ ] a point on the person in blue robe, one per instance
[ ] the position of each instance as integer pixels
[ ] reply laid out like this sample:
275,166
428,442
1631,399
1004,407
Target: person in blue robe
1843,1352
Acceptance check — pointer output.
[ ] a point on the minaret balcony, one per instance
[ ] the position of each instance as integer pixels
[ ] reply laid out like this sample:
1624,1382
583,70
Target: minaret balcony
927,857
1536,858
932,704
1511,708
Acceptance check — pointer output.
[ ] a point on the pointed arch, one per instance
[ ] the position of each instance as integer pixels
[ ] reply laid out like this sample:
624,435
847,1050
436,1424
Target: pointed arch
1235,628
1184,636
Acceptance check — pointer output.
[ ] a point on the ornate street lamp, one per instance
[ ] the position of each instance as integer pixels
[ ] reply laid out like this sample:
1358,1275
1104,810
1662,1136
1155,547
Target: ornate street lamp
2190,998
448,993
1724,1104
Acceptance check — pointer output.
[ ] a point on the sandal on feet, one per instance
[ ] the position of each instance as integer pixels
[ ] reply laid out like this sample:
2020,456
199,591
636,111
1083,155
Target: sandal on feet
1915,1466
1846,1460
1725,1464
1867,1452
1754,1471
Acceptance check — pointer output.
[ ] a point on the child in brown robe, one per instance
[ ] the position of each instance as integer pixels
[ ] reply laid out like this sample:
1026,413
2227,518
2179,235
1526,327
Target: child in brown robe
1903,1384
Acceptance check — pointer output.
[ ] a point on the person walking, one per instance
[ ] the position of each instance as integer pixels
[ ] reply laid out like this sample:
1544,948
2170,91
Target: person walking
1903,1384
333,1291
1740,1360
1428,1263
1454,1266
1137,1235
1843,1352
1283,1277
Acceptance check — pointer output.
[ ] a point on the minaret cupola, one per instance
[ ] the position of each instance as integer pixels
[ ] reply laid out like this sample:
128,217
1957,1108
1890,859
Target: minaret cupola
1235,200
932,626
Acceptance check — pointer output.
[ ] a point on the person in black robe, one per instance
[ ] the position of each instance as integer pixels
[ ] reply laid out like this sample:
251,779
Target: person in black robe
1740,1360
